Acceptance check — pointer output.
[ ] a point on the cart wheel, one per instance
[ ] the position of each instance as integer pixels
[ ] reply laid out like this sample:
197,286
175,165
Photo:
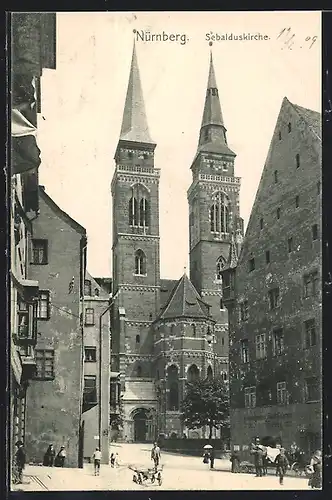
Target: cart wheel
140,480
159,479
152,478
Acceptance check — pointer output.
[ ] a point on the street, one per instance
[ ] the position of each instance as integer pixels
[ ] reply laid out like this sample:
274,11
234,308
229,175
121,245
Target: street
180,473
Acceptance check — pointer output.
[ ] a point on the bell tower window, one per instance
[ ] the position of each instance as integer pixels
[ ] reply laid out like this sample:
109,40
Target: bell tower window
220,267
140,263
219,213
139,207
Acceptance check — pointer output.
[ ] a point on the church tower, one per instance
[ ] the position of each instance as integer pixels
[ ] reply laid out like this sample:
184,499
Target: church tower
136,267
213,211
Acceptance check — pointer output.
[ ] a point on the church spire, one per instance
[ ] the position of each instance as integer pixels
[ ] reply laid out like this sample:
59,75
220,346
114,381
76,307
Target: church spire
134,123
213,131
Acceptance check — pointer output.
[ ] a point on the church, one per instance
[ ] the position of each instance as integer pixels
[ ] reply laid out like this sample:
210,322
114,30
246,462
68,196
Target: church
167,332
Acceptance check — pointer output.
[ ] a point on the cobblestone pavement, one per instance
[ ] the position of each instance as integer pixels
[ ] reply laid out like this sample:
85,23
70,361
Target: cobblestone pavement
177,475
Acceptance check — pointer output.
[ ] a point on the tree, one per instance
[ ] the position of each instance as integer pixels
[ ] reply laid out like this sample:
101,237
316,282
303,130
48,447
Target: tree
206,403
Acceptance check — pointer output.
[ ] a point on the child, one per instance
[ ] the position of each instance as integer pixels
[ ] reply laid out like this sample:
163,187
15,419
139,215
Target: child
282,463
97,458
113,460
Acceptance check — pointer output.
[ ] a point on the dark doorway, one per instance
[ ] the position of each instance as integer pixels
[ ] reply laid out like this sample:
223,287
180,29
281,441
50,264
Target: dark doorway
140,427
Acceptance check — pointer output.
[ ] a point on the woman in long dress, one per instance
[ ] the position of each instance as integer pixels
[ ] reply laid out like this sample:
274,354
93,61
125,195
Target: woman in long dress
316,465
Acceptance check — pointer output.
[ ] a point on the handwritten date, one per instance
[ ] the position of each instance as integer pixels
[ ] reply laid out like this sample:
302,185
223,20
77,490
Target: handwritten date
290,40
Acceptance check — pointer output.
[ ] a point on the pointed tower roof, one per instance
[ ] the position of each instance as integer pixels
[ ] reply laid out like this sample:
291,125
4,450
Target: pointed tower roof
233,254
212,120
212,114
185,301
134,123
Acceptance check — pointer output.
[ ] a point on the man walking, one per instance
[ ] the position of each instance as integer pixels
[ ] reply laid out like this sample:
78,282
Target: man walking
212,456
20,458
155,455
257,452
96,461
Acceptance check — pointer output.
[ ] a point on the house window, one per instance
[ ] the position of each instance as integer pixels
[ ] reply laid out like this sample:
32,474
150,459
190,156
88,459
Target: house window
310,284
87,287
312,392
138,339
278,213
260,346
219,213
310,333
279,135
290,245
220,267
251,265
282,395
43,305
45,364
289,127
39,251
278,342
90,354
261,223
297,201
276,176
90,389
89,316
297,158
244,310
314,230
140,263
23,319
143,212
133,212
244,352
273,298
267,256
250,397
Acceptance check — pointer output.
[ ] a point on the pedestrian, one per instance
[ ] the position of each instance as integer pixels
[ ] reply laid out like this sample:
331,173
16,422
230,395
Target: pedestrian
265,460
49,456
206,457
282,464
235,459
61,456
212,458
112,459
155,455
20,459
257,452
96,461
316,466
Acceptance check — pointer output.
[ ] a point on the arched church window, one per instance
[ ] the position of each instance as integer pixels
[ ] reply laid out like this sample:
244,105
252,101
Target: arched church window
193,373
133,212
140,263
138,339
209,373
139,371
219,268
220,213
143,212
139,206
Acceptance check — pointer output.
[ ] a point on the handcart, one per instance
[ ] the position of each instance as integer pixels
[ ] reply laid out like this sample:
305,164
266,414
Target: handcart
143,474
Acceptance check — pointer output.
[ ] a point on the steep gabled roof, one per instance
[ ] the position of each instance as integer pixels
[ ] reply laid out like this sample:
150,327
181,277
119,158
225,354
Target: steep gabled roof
63,215
185,301
312,118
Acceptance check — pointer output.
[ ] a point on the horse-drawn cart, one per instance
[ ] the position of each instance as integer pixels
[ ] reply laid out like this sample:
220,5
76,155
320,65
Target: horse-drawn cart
143,474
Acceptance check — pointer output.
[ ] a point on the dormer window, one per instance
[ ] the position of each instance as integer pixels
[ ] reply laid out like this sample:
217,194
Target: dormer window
214,91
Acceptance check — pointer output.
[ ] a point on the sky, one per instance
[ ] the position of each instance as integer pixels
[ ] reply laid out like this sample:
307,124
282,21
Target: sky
83,100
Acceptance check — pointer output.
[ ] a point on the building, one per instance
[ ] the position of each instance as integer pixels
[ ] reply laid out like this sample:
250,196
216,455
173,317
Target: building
97,363
54,397
166,331
273,294
33,48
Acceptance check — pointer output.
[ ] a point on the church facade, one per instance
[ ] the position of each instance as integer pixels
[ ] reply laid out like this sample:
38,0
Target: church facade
165,332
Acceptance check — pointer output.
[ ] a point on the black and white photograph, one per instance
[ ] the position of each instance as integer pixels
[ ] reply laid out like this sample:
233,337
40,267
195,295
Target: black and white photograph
165,285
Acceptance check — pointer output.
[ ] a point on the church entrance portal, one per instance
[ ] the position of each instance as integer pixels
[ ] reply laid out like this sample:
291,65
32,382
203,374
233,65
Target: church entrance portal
143,426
